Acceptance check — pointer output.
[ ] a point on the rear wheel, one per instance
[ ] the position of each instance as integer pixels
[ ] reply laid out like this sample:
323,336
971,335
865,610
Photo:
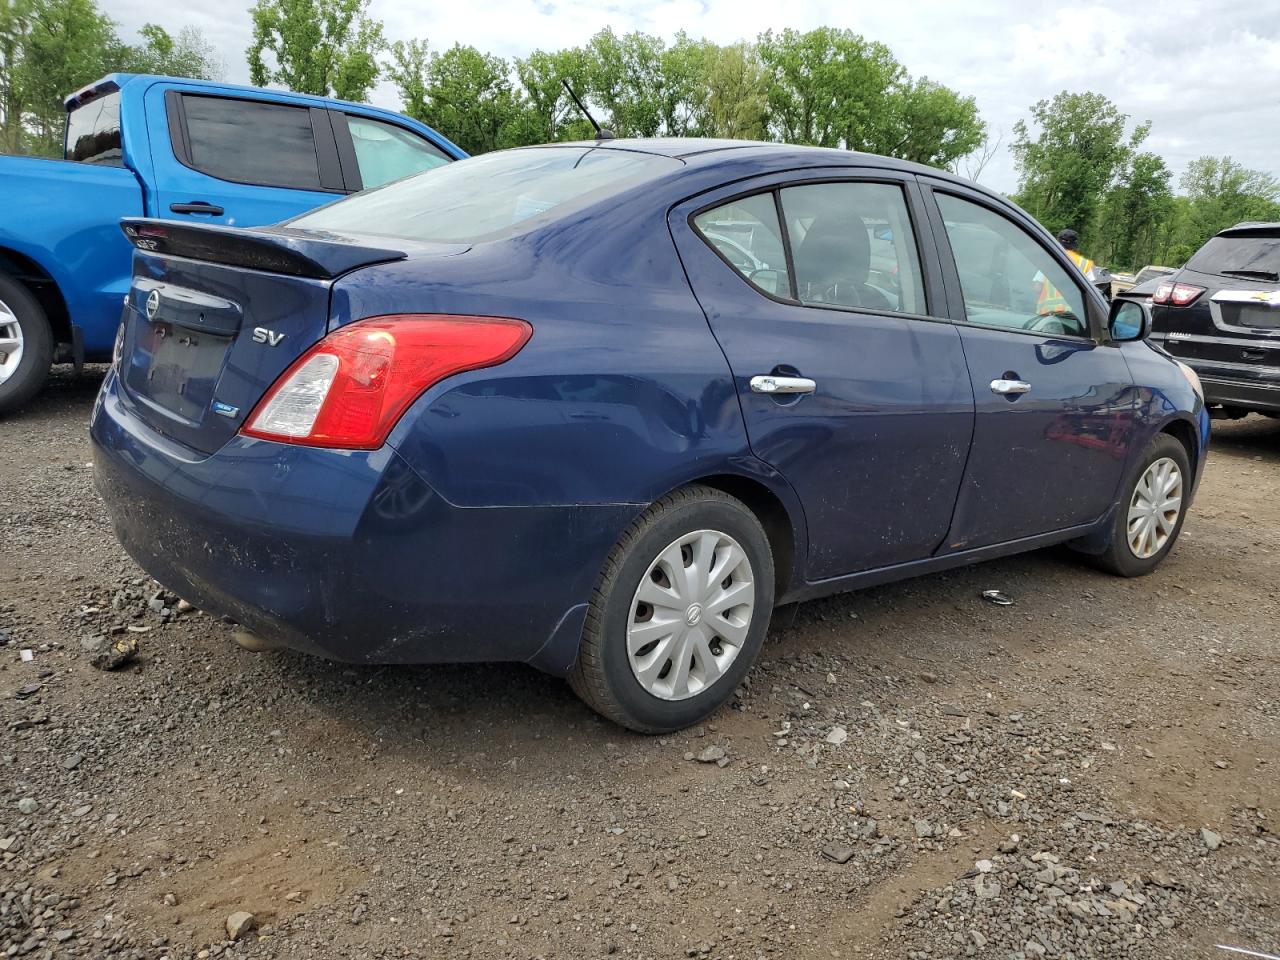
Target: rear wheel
1151,510
26,345
679,613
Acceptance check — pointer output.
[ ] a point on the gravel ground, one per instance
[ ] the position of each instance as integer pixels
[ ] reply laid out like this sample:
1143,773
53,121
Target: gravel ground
910,773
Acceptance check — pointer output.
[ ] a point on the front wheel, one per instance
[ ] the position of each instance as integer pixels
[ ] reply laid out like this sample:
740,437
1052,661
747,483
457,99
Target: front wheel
26,345
1151,510
679,613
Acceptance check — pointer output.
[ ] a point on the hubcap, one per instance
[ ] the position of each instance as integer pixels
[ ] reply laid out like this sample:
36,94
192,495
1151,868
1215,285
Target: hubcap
1154,509
690,615
10,342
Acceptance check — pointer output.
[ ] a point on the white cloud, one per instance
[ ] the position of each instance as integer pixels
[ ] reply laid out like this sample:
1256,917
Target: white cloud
1207,78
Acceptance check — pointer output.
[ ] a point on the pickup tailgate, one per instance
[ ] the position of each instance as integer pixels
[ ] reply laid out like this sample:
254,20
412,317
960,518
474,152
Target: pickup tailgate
214,315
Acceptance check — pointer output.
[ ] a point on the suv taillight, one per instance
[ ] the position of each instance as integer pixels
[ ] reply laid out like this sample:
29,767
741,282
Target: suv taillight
1177,294
349,390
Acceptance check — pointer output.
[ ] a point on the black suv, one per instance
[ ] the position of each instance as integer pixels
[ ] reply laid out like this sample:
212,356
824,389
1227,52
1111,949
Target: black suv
1221,315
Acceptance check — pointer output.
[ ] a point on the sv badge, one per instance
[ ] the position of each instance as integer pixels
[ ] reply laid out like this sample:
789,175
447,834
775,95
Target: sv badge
269,337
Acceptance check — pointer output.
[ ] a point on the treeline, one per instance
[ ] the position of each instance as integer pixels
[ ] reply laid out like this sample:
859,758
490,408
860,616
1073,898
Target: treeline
1080,161
1080,169
50,48
825,87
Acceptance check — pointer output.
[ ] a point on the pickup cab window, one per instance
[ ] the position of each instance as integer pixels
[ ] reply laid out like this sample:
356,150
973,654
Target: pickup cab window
385,152
266,144
93,132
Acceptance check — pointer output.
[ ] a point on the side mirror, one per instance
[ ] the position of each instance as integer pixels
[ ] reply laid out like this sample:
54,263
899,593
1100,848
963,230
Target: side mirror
1129,320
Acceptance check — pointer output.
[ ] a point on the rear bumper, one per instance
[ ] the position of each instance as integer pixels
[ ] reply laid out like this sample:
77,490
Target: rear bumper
1239,385
349,555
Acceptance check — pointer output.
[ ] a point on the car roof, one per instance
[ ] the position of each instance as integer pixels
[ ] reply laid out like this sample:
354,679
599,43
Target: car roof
1250,226
117,81
702,151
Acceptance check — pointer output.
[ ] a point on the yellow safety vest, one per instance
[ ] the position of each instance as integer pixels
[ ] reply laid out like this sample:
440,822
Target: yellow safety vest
1081,261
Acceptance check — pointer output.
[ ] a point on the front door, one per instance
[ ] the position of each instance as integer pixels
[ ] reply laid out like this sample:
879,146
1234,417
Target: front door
852,384
1055,407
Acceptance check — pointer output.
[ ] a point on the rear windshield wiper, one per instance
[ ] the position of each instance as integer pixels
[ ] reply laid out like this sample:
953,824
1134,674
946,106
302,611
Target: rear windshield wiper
1253,274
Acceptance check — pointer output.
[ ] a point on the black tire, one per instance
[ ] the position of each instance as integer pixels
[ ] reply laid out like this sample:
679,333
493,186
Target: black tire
602,675
1119,558
37,346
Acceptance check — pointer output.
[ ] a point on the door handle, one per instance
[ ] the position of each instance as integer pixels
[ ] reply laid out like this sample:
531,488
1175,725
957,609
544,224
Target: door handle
198,206
773,385
1006,387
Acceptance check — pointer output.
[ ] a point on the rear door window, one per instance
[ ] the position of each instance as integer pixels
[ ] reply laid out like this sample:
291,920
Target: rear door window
386,152
93,132
747,234
266,144
852,246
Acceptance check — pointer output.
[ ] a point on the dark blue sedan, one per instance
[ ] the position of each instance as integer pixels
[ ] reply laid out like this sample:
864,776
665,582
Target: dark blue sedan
600,407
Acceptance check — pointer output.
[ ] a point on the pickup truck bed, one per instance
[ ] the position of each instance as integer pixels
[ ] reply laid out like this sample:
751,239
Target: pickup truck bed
180,149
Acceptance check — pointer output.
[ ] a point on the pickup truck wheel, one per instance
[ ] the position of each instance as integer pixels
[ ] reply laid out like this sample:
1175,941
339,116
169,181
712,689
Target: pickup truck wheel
26,345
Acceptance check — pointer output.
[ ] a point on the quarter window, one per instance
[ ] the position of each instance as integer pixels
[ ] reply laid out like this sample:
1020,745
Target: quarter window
93,132
852,246
267,144
1007,278
385,152
746,233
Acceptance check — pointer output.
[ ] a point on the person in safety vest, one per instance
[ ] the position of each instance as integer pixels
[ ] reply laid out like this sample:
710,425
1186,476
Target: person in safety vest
1070,241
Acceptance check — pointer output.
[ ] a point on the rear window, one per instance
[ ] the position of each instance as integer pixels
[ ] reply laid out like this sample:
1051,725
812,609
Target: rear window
489,196
1252,254
93,132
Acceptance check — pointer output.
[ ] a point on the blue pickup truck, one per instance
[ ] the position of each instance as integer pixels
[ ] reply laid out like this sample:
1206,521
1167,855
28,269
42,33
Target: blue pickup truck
181,149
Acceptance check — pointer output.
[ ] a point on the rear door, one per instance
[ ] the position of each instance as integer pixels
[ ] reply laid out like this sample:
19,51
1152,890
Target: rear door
238,160
824,294
1055,405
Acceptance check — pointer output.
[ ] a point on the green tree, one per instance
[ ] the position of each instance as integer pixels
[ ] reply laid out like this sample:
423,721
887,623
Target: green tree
324,47
408,71
469,96
187,55
684,91
1221,193
548,113
624,77
14,24
827,87
1073,158
933,124
66,45
737,94
1134,213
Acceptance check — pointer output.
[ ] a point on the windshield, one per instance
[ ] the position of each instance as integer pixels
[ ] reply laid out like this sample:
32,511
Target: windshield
1255,253
489,196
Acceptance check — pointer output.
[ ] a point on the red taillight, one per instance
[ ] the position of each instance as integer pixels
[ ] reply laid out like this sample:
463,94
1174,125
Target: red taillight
349,389
1177,294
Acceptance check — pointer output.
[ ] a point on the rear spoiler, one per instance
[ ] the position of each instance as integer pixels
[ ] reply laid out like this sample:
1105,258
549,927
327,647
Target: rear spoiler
268,249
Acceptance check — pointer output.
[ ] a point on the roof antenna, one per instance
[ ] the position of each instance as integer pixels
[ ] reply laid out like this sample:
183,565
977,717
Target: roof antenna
602,133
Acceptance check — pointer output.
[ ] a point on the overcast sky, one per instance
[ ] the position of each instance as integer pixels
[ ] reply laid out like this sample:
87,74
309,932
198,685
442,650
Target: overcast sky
1206,74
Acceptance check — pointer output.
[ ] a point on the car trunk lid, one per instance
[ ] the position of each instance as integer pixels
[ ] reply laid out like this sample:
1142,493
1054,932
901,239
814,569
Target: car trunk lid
214,315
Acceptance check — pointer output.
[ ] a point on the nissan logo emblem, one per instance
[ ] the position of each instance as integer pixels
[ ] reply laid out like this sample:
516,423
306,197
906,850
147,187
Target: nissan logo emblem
153,304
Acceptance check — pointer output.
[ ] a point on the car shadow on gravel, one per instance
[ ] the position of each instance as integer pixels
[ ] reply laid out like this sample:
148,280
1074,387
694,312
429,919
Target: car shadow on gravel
495,718
64,390
1254,437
